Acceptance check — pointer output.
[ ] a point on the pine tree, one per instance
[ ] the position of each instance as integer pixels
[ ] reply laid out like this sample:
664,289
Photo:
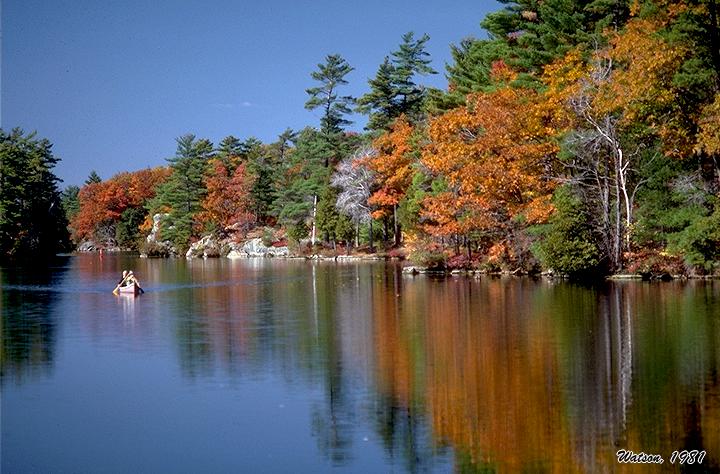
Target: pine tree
470,71
331,76
379,103
93,178
229,151
70,202
184,190
32,220
393,91
306,176
539,32
410,60
260,167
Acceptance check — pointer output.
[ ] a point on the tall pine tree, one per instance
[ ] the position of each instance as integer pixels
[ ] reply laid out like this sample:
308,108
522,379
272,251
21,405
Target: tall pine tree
184,190
393,90
335,107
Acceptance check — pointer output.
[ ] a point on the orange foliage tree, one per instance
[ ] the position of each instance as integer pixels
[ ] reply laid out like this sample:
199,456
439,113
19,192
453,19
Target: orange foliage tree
228,201
102,204
393,168
490,161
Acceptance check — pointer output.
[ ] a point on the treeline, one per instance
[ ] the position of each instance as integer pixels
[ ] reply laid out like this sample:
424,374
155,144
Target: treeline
581,136
32,221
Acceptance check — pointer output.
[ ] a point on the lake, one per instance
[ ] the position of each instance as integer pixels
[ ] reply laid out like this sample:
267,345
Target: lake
298,366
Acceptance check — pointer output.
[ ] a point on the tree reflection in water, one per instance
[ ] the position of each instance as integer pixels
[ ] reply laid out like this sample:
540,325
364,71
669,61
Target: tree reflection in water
28,319
511,374
498,374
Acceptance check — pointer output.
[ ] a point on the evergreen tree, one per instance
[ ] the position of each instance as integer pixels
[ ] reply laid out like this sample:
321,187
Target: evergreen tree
229,151
127,229
70,201
328,218
539,32
283,145
469,72
393,90
32,220
568,245
331,76
379,103
260,167
184,190
410,60
93,178
306,176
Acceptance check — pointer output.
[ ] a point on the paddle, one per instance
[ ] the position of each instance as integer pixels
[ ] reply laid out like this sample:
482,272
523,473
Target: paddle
115,291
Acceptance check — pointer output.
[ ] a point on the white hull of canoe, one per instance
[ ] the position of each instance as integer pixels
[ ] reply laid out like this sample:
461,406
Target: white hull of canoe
131,289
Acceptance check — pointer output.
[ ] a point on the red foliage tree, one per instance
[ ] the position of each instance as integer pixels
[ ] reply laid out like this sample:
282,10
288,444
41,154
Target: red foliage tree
228,201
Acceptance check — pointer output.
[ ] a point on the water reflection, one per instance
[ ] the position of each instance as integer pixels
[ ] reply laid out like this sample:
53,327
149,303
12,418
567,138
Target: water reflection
28,321
491,374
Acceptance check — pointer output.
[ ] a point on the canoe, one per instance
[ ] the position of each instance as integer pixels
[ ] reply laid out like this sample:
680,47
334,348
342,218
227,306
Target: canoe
131,289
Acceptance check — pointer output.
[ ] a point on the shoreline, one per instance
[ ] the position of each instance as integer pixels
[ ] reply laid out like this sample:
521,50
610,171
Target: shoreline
417,270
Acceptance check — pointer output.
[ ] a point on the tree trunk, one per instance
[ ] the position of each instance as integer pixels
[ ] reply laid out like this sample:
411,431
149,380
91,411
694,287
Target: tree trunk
714,31
357,234
396,227
312,235
370,235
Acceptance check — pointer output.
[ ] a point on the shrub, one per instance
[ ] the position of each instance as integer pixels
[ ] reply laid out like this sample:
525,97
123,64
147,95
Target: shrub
154,249
298,231
459,262
268,237
567,244
432,258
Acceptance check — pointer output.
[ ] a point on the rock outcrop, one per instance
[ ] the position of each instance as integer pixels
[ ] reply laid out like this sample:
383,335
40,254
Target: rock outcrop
207,247
256,248
155,247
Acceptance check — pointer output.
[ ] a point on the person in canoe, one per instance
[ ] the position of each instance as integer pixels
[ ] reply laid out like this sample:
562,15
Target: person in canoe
128,280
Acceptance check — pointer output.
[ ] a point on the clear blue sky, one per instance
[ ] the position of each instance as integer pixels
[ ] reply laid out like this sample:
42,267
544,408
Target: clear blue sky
112,83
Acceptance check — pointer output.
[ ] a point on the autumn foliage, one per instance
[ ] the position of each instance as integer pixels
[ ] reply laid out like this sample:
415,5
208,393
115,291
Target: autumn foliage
493,160
228,201
392,165
102,204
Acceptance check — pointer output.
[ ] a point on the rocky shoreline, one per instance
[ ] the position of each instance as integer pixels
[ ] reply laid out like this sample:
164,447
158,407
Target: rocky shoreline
209,247
272,245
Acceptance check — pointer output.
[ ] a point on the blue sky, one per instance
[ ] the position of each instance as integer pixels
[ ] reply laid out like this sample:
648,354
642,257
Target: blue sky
112,83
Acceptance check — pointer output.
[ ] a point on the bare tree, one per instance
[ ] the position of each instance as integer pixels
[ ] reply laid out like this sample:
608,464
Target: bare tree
354,180
601,167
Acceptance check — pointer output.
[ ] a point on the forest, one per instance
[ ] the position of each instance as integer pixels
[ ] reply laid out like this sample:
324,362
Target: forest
579,136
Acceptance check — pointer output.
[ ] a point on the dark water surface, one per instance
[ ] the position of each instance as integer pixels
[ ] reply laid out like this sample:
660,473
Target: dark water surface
292,366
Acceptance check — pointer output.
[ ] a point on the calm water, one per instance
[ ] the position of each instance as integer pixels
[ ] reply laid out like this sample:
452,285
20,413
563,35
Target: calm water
290,366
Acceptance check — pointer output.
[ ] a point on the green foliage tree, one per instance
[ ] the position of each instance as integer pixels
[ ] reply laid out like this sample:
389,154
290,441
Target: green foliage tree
331,76
328,219
184,190
305,177
127,229
379,103
229,151
32,219
393,90
567,243
540,32
262,169
699,242
70,201
411,60
93,178
470,71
